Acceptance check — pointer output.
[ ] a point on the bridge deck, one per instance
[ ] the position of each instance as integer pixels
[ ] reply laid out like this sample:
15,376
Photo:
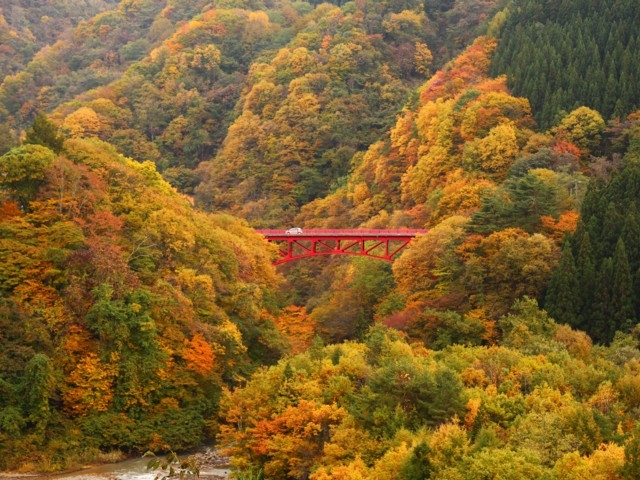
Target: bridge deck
375,243
344,233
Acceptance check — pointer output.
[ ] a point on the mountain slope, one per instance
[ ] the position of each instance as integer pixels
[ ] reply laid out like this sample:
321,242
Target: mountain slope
123,311
562,55
179,137
26,27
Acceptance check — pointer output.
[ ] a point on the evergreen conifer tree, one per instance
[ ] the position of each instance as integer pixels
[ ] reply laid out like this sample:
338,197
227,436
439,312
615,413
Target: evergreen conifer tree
44,132
611,229
610,94
418,466
586,281
631,236
600,326
636,292
563,298
622,307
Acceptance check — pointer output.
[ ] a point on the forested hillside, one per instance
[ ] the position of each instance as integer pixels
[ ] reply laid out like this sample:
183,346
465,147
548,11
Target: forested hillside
142,141
596,286
167,76
123,310
498,195
544,405
27,26
565,54
329,95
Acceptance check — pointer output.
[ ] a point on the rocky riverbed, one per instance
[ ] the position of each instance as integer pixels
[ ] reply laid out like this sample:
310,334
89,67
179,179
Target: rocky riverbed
213,466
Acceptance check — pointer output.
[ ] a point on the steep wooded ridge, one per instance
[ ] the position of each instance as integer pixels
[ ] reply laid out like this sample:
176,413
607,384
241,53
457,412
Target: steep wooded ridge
144,141
565,54
123,310
26,26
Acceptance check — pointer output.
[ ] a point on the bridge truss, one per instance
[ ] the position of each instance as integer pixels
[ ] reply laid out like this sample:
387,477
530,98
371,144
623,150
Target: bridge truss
378,244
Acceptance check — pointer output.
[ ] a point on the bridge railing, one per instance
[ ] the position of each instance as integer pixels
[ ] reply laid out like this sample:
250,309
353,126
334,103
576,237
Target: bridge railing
345,231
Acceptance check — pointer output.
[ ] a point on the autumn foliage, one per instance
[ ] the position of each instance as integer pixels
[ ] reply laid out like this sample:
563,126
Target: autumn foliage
119,302
144,142
386,409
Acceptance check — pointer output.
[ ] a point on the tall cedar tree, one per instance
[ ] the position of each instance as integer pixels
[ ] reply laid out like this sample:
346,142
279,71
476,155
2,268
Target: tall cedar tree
563,299
46,133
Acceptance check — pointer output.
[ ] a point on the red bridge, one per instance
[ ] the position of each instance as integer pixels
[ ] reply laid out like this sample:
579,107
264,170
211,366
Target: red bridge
380,244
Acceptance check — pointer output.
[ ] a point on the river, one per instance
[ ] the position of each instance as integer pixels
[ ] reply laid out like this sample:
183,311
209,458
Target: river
133,469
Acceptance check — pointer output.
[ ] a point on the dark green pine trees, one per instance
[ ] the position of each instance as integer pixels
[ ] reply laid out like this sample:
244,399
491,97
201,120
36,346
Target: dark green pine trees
46,133
563,300
563,54
596,287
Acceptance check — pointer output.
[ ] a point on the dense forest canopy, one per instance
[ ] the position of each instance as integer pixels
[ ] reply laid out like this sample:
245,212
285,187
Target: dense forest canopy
169,76
546,404
142,141
27,26
121,305
565,54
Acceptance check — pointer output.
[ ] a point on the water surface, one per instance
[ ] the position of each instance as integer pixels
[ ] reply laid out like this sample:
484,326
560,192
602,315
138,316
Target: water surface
133,469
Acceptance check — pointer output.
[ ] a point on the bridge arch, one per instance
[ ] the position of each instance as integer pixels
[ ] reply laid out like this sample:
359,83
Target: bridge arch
379,244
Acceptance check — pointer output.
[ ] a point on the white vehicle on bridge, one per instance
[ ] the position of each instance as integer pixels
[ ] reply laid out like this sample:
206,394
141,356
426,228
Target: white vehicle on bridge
294,231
